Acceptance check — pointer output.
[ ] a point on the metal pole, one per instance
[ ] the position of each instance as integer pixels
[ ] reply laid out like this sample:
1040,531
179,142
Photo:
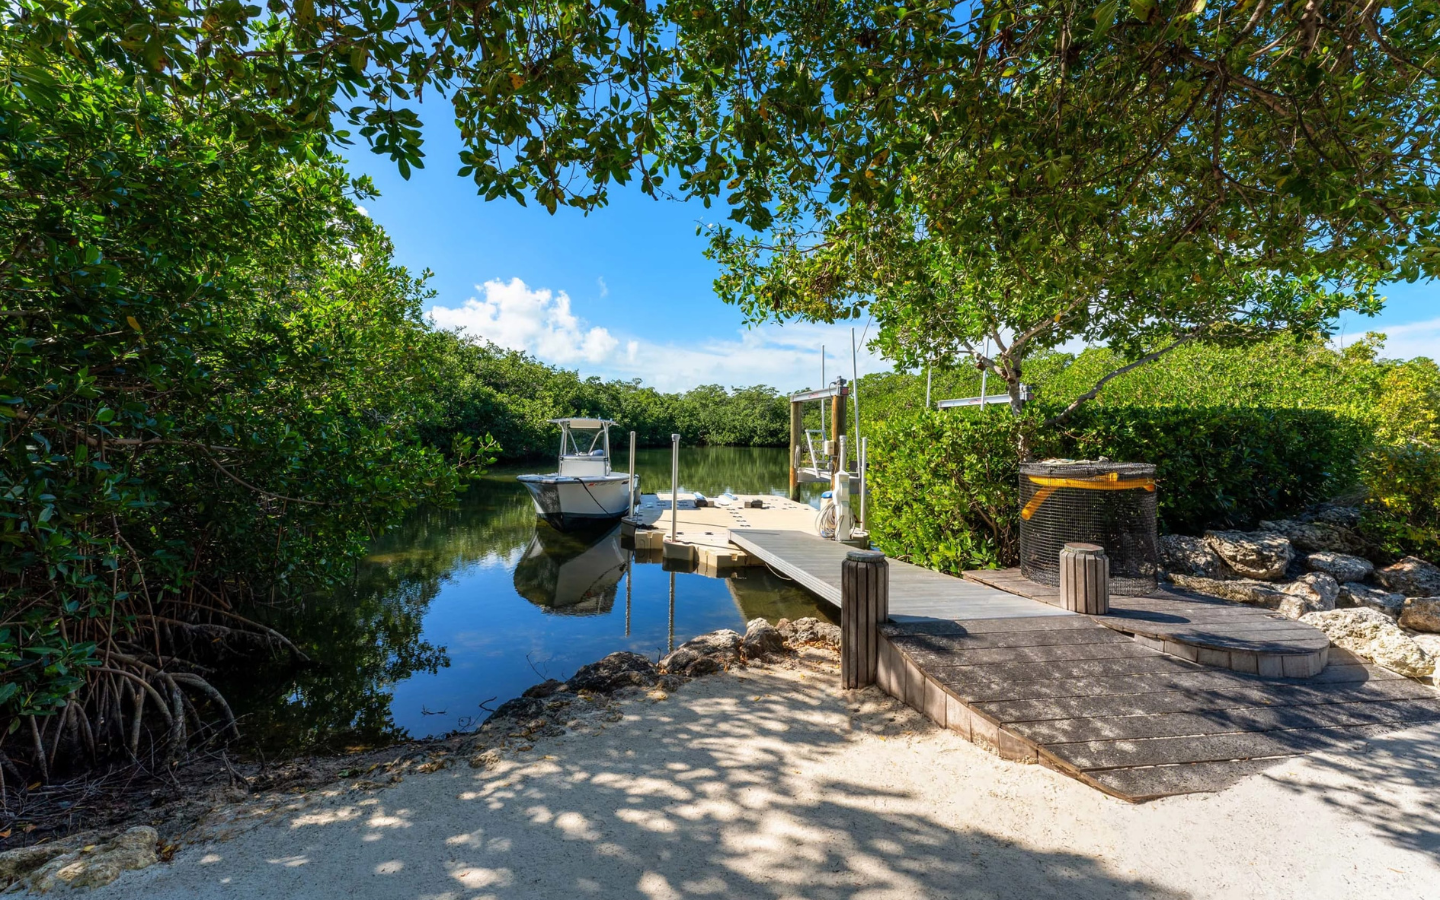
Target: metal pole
864,477
674,489
631,505
842,455
855,383
822,384
984,374
927,387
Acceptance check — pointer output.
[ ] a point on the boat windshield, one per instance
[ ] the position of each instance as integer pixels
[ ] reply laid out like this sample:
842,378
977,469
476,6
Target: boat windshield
583,442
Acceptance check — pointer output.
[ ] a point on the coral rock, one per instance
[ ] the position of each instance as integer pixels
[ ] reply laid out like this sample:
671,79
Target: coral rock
1257,554
1411,576
133,849
1353,594
1421,614
1185,555
1342,566
1371,634
761,639
1255,593
1313,537
616,671
1314,592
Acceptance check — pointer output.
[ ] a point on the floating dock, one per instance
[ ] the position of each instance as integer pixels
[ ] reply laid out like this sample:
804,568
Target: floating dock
1169,694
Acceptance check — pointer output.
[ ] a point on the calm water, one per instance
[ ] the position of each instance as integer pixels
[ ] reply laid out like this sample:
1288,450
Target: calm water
463,609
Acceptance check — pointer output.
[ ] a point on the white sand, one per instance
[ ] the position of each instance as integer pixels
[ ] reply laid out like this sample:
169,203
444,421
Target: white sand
774,784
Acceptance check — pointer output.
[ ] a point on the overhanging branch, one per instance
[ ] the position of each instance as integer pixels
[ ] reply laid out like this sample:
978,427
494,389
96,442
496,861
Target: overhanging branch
1094,392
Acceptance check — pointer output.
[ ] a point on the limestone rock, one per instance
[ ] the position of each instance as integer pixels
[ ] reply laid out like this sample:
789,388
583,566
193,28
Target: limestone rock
810,631
1185,555
1252,554
1372,635
705,654
544,689
98,866
618,670
1248,590
1355,594
486,760
1411,576
761,639
20,862
1340,516
519,709
1312,592
1312,537
1421,614
1342,566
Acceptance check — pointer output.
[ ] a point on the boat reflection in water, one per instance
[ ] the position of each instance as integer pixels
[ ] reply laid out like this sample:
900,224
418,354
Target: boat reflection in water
572,573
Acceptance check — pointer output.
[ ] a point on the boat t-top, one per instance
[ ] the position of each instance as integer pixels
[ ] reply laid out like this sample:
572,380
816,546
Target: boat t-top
584,492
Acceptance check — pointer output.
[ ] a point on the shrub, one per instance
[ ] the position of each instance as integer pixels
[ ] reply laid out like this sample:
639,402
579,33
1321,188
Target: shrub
1402,515
944,485
1225,467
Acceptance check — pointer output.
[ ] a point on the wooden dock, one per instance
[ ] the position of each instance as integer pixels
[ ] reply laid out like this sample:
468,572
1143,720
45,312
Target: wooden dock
1127,703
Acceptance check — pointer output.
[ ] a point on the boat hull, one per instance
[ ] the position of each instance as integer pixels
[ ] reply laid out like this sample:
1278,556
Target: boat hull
571,503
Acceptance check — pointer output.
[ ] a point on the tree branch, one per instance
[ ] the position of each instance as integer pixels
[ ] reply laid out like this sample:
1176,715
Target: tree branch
1094,392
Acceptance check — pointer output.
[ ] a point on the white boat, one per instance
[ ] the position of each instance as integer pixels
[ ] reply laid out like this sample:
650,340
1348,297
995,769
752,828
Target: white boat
572,574
584,492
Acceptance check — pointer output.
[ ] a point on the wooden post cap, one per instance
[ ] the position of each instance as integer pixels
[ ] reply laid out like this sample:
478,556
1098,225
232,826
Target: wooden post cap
865,556
1084,548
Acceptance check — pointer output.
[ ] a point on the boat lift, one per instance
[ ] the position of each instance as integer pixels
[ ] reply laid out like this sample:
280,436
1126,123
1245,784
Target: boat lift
814,457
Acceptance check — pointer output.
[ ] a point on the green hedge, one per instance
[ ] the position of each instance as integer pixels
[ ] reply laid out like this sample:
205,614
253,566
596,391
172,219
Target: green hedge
944,485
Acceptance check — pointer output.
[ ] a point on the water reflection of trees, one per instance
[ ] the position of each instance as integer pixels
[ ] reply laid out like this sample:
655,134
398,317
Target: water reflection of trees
365,639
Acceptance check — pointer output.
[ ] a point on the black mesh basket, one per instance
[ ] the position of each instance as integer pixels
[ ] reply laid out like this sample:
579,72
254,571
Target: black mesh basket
1105,503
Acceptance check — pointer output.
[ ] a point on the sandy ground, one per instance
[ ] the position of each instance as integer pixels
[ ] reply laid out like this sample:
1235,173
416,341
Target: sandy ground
773,783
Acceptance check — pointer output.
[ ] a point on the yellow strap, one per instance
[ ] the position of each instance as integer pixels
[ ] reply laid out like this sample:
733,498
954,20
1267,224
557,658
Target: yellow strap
1108,482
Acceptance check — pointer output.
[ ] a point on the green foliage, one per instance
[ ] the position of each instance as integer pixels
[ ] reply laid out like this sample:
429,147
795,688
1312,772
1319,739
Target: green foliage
1239,434
1225,466
945,484
512,396
211,385
943,488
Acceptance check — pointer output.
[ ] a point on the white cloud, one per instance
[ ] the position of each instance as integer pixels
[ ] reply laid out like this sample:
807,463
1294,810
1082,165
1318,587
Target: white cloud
604,288
541,322
537,321
362,210
1411,339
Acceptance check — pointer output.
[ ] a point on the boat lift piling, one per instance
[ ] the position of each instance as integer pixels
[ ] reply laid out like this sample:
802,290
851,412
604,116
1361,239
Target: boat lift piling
827,462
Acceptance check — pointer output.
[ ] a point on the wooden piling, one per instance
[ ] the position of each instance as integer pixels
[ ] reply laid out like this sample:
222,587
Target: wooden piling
1085,579
864,605
797,440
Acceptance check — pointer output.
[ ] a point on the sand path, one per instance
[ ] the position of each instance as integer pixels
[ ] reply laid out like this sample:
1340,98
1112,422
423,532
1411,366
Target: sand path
774,784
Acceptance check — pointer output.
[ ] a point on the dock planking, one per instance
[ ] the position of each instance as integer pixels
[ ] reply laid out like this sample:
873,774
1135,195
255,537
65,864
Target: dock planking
915,593
1100,700
1131,720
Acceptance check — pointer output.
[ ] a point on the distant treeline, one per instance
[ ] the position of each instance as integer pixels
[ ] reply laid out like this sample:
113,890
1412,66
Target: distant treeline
484,389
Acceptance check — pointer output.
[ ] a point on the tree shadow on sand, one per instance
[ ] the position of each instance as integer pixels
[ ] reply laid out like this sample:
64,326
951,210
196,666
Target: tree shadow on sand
711,797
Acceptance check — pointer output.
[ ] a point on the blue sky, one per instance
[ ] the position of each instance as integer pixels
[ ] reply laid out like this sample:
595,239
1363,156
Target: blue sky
626,292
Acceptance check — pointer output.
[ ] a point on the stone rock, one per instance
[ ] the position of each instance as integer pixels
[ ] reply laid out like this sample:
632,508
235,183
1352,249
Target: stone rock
1342,566
761,639
1339,516
1247,590
544,689
704,655
618,670
1411,576
1185,555
487,760
20,862
1355,594
1313,592
1252,554
1371,634
813,631
98,866
1312,537
1421,614
519,709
